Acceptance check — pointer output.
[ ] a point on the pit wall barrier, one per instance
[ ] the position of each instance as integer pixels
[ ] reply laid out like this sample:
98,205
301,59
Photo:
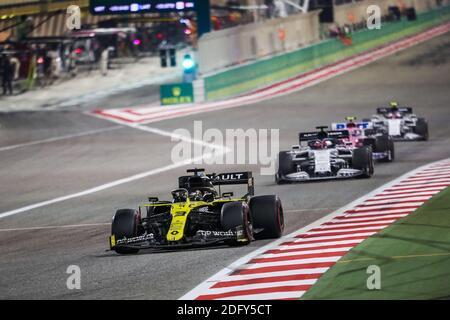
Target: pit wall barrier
251,76
233,46
356,12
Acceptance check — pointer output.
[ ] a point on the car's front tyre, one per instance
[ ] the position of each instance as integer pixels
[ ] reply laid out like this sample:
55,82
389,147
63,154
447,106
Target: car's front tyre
125,225
267,214
385,144
362,159
421,128
233,216
285,166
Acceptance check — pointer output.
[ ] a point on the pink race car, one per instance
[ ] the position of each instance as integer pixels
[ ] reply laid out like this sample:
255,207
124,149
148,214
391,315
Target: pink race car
362,134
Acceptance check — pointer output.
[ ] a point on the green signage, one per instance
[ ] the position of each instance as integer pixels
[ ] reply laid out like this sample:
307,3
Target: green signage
177,93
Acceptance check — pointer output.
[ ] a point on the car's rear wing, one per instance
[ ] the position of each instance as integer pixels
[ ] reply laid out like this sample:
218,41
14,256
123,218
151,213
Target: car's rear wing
343,126
400,109
234,178
334,134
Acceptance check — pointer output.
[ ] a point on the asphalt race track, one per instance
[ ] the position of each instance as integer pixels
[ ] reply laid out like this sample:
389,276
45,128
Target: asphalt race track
38,245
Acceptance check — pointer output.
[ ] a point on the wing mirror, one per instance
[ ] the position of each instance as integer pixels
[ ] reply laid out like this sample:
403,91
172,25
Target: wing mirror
227,194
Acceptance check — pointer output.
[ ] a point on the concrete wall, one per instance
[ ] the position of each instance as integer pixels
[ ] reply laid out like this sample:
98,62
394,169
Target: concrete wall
423,5
242,2
263,72
228,47
9,2
357,11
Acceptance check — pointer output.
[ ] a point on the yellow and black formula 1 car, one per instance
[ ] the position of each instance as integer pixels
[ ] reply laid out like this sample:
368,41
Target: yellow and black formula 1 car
198,215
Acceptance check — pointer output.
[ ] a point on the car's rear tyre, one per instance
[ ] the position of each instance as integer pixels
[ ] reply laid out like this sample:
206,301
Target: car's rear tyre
362,159
385,144
267,214
421,128
285,166
234,215
125,224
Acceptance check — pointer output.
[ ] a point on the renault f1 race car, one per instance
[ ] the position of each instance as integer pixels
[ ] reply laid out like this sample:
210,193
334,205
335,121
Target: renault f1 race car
325,156
362,134
400,123
199,215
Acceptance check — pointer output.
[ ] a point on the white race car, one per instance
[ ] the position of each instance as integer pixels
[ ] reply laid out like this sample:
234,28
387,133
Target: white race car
400,123
324,155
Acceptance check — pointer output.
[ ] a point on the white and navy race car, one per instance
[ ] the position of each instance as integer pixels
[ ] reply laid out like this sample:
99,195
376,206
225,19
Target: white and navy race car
324,155
400,123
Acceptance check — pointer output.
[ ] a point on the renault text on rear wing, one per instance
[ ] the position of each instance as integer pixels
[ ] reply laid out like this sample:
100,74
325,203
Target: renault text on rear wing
234,178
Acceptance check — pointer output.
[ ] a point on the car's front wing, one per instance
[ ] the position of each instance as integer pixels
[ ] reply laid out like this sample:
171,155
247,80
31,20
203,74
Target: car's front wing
305,177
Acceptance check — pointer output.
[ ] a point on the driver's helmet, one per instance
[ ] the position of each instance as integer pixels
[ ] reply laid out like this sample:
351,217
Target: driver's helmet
203,194
194,183
394,104
394,115
315,144
200,186
197,195
327,143
179,195
356,132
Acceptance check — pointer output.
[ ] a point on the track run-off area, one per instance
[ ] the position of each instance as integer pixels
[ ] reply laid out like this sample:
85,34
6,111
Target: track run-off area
289,267
64,173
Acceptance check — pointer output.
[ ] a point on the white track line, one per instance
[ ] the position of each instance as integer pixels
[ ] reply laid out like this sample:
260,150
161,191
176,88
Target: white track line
389,196
251,266
54,139
408,192
262,286
440,173
288,254
333,229
299,272
70,226
337,222
323,239
267,296
399,188
424,183
315,245
220,150
310,210
98,188
356,223
375,207
176,137
390,200
355,213
351,218
440,177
